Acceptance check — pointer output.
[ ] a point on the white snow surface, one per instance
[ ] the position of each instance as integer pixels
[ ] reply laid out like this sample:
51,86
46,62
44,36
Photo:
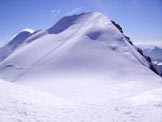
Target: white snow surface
28,30
21,104
15,43
85,61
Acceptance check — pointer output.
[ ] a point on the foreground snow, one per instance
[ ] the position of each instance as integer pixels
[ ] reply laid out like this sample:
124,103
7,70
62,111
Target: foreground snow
20,104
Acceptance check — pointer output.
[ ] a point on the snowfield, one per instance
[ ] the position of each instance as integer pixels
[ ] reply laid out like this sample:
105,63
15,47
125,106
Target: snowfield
83,69
21,104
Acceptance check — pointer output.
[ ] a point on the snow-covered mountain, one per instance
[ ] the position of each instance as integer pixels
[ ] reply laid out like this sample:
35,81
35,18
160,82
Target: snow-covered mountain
16,42
155,53
86,59
87,46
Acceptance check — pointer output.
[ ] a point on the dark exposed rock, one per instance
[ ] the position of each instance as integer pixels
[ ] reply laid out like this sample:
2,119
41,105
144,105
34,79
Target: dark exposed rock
118,26
149,60
140,51
151,65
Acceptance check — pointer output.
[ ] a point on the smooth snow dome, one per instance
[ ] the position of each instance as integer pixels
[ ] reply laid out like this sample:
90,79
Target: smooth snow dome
85,60
15,43
28,30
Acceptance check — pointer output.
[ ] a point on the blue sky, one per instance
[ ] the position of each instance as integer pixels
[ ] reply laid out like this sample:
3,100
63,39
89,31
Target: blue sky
141,20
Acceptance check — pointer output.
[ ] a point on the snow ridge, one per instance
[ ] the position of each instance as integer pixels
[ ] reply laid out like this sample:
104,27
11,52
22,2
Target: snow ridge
16,42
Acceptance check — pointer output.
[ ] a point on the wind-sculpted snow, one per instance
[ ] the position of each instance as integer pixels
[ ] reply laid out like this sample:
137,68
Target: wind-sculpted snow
94,35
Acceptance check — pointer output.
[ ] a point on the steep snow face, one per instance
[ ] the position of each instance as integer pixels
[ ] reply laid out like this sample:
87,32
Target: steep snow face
82,58
65,23
16,42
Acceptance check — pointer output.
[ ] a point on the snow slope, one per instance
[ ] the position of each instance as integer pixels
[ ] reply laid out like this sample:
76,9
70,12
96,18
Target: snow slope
21,104
16,42
82,58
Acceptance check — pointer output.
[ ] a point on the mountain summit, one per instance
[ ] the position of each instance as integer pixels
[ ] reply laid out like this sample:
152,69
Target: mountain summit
68,21
86,51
